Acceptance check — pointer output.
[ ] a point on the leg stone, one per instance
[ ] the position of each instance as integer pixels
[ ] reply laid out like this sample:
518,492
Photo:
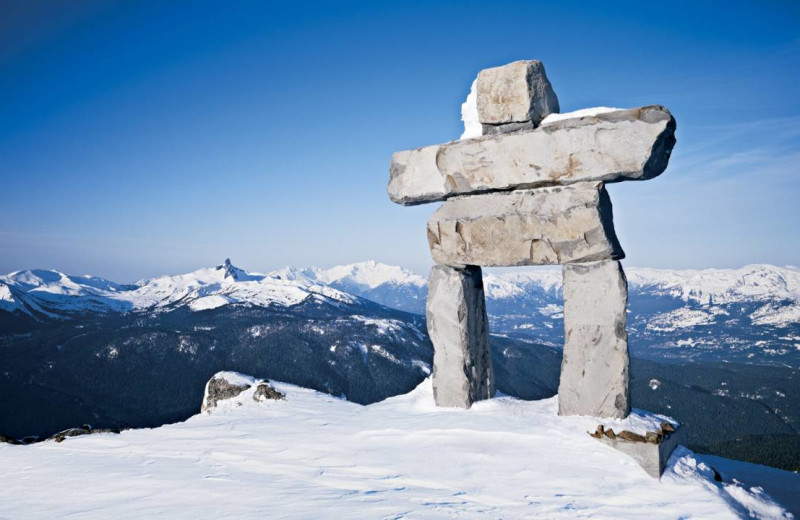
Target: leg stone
594,372
459,329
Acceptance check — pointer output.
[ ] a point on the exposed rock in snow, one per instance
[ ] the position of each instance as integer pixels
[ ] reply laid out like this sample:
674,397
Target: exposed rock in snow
504,458
224,385
233,388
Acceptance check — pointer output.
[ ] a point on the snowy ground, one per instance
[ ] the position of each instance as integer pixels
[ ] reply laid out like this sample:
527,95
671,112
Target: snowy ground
314,456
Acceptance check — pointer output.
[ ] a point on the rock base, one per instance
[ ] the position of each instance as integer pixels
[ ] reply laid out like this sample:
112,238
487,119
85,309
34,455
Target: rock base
652,457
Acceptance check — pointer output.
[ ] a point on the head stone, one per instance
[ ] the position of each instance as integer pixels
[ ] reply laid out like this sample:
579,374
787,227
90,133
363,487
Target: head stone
514,97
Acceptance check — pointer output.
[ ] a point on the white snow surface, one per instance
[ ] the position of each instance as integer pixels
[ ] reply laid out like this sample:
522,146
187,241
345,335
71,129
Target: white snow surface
315,456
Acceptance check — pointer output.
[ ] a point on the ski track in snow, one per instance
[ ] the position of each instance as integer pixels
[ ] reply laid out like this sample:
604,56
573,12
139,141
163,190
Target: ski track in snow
315,456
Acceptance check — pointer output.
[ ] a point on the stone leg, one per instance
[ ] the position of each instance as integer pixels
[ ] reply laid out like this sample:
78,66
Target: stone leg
459,329
594,372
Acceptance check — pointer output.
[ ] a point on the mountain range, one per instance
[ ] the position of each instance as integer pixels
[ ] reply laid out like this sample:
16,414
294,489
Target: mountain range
747,315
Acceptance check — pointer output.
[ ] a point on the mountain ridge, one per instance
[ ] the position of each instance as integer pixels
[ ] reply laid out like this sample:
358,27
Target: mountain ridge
749,314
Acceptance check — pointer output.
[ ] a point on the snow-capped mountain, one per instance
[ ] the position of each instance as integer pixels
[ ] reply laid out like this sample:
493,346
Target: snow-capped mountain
751,314
54,294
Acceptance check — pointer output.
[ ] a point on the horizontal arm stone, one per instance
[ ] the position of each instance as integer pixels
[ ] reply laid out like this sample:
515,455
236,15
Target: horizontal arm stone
528,227
631,144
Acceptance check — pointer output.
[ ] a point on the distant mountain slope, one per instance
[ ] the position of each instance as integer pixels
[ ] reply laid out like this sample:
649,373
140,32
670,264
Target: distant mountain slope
746,315
388,285
53,295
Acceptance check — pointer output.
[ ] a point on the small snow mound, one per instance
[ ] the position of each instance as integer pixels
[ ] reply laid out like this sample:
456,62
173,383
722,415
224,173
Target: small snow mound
639,421
584,112
236,378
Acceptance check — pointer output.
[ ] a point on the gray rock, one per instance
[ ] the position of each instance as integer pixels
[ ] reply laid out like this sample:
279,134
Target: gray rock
515,93
632,144
83,430
459,330
264,392
557,225
224,385
651,457
506,128
594,370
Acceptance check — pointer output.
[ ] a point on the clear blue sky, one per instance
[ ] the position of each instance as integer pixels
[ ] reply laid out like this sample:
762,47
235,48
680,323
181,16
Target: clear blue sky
144,138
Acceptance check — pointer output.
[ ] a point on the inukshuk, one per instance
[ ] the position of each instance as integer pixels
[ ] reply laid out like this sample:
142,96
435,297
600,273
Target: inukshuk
531,191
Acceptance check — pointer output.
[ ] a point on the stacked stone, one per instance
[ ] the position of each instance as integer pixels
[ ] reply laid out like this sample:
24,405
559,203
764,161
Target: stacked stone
531,191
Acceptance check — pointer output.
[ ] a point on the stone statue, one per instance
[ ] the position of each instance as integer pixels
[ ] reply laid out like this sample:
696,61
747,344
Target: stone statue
531,191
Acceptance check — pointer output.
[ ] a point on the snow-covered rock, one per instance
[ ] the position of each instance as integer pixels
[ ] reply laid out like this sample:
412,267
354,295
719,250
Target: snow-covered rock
223,386
403,457
232,389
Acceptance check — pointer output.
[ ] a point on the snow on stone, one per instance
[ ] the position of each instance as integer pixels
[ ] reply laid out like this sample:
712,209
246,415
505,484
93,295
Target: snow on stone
236,378
313,456
469,113
584,112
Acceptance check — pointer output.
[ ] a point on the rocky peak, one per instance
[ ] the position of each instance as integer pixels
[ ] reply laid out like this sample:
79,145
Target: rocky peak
229,270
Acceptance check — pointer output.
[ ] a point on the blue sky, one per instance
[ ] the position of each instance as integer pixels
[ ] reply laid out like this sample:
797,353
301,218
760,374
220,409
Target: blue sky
142,138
